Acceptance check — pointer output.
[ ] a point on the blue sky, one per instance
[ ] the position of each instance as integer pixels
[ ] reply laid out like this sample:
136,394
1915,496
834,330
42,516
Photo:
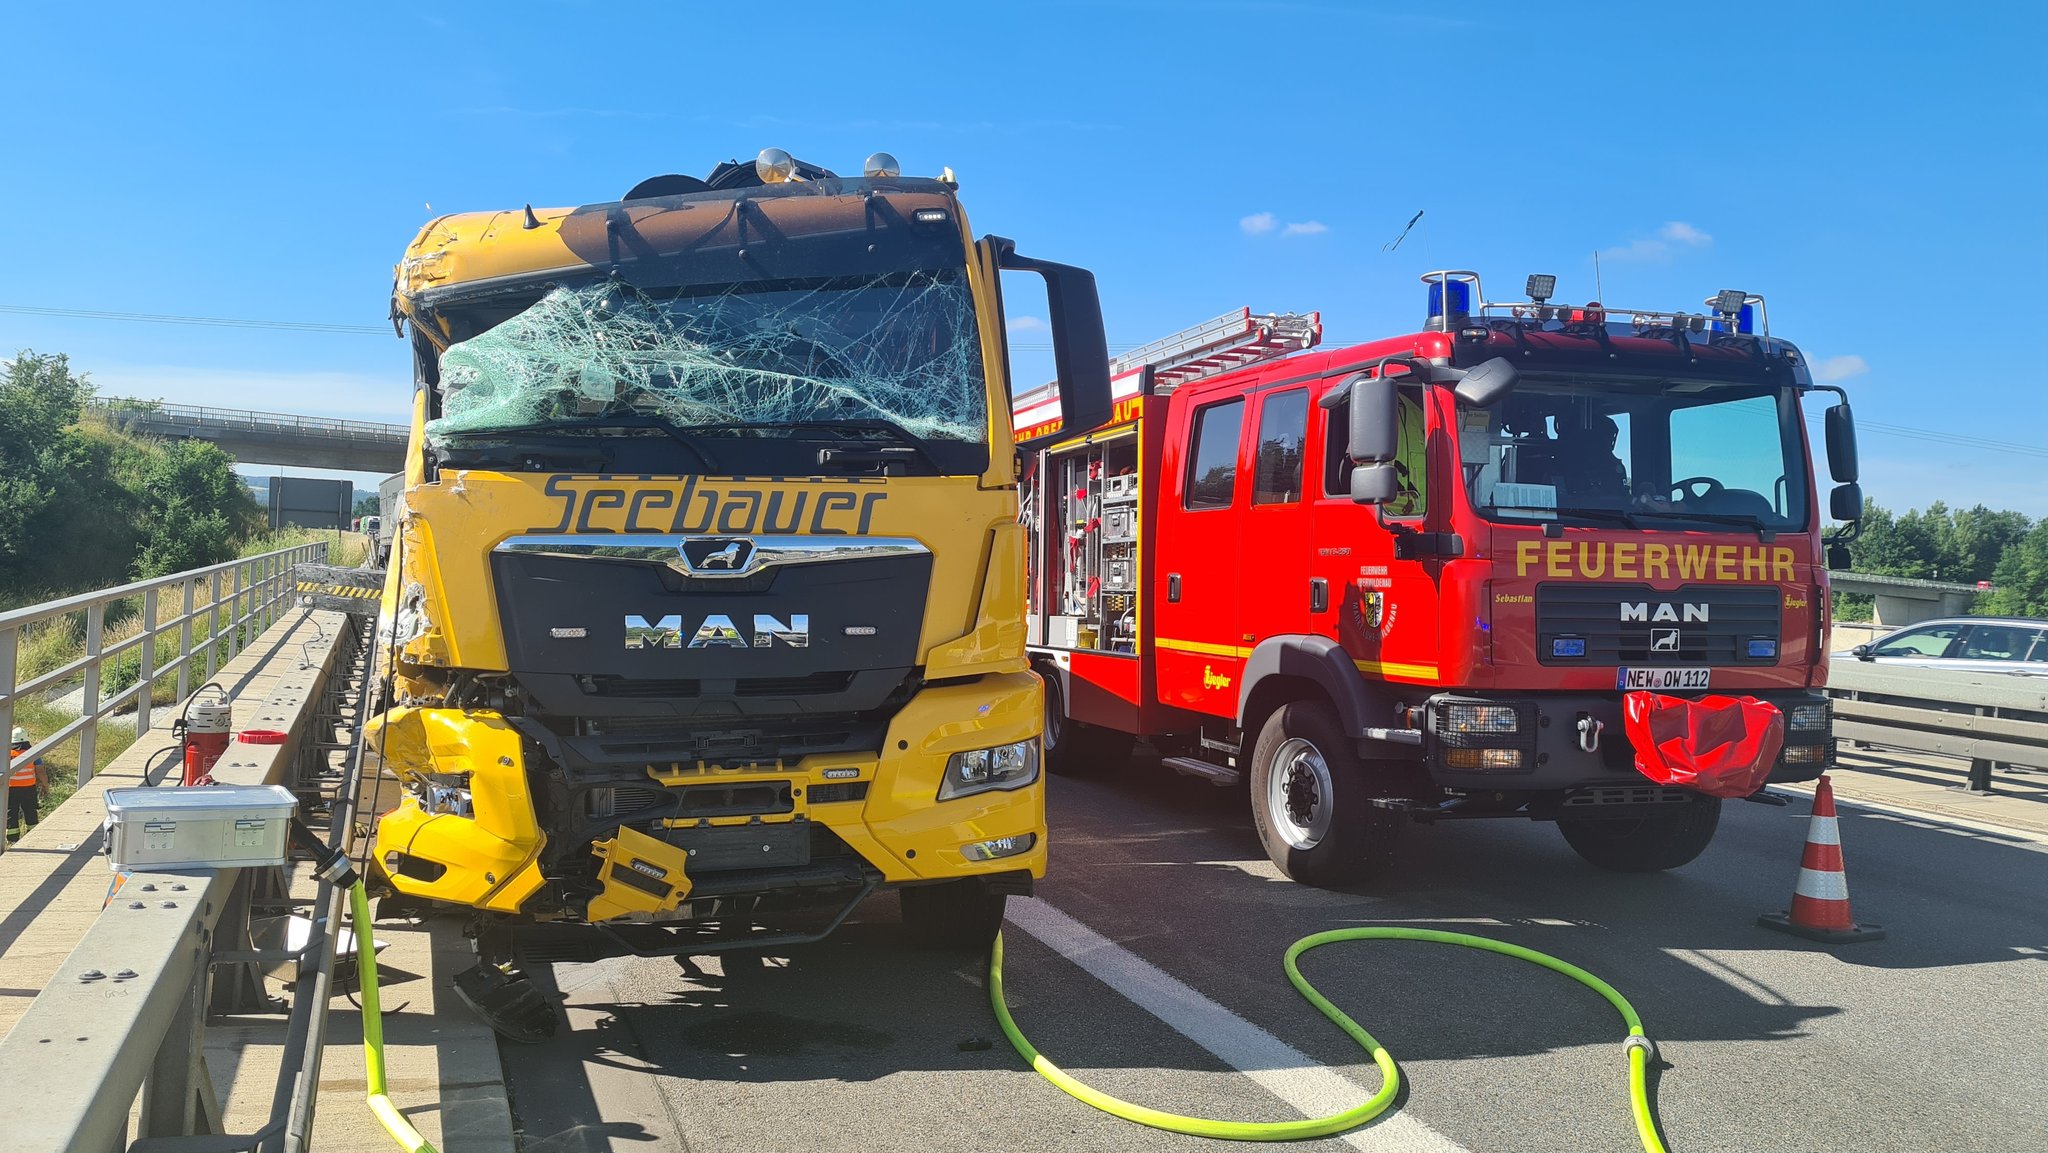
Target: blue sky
1878,172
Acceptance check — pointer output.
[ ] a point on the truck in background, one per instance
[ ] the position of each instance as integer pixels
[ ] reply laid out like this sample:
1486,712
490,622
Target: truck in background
1417,578
706,612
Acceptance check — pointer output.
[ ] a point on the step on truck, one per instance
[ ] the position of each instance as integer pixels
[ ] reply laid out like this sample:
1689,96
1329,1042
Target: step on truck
706,611
1423,577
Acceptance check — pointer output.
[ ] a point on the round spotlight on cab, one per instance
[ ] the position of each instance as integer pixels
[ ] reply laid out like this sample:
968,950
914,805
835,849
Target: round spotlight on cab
774,166
880,165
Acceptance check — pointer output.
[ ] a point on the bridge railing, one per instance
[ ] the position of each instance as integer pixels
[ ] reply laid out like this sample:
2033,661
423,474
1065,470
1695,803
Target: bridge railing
1986,718
196,414
212,612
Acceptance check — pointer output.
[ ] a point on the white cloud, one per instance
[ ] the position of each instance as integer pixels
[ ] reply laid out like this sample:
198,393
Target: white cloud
1257,223
1305,228
1835,368
1671,238
1026,324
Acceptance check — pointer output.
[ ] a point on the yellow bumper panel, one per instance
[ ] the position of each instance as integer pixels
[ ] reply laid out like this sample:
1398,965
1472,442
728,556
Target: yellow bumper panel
489,860
640,875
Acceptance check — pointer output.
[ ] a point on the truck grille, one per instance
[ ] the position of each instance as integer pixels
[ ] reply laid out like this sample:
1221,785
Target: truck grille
1616,624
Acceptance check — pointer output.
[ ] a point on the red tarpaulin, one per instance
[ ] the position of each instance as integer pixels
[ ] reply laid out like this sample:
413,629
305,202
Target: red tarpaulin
1720,746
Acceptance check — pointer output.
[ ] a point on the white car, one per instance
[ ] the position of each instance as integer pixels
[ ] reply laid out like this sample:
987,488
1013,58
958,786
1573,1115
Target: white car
1978,644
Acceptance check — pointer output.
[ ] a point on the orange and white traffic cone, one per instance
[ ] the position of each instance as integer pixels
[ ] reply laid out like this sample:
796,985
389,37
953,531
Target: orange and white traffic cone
1820,898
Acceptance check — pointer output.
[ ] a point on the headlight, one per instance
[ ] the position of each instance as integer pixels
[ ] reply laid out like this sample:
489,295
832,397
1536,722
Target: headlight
438,796
1009,766
1476,719
1808,718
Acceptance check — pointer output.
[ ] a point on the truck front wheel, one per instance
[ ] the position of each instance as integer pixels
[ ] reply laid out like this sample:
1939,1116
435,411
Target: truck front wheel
962,915
1646,844
1312,800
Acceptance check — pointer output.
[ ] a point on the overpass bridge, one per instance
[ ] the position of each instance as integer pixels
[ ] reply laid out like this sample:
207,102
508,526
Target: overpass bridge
145,1020
1903,601
269,437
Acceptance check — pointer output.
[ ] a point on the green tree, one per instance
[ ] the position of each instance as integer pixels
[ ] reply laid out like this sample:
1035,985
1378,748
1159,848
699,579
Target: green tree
367,506
198,511
2020,581
40,399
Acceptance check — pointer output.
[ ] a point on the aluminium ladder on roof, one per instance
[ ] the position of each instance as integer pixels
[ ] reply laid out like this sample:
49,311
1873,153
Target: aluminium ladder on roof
1233,340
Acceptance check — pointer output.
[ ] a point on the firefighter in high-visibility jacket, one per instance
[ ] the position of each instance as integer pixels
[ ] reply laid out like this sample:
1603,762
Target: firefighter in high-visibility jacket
24,784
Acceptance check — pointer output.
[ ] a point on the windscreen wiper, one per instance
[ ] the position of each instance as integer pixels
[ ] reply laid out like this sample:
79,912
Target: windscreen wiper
1763,531
592,424
907,446
1606,514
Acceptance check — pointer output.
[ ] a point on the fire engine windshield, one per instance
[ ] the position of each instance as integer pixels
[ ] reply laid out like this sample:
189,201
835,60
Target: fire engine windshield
899,351
1651,453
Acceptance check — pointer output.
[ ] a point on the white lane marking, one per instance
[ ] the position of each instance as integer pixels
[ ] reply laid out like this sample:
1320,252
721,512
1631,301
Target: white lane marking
1925,819
1277,1067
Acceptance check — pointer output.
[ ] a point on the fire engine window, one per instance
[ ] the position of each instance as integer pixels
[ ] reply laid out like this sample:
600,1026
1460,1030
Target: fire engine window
1411,471
1212,467
1283,433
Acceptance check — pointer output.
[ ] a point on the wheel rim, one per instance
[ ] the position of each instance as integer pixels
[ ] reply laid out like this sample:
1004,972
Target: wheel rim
1299,794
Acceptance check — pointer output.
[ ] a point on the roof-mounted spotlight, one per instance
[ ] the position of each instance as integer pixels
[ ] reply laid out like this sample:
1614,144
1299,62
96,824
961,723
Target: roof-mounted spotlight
774,166
881,165
1729,301
1541,286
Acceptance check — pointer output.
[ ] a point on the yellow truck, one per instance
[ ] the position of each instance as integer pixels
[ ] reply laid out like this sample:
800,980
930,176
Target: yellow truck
705,614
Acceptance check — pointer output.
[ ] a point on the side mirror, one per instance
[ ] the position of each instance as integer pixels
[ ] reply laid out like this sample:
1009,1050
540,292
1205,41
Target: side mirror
1488,384
1861,652
1838,557
1374,483
1080,351
1374,431
1846,501
1841,434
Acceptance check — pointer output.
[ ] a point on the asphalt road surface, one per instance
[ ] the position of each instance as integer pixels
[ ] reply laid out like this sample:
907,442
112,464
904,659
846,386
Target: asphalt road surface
1149,965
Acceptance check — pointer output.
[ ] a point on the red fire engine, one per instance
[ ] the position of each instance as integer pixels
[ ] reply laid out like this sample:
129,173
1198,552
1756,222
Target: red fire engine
1422,578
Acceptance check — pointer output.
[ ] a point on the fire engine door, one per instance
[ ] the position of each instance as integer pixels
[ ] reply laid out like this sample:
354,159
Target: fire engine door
1206,485
1274,590
1382,608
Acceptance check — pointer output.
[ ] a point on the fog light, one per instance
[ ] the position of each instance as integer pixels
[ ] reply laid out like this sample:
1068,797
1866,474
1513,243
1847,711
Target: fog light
1479,719
1808,718
1483,758
1805,754
999,848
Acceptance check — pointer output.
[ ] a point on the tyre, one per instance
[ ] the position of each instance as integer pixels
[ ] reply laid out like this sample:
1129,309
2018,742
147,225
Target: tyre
1073,749
961,915
1312,800
1646,844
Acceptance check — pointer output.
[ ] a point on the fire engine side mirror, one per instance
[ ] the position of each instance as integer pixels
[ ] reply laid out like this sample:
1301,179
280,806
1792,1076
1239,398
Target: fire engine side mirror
1487,385
1373,432
1080,351
1846,501
1841,432
1374,483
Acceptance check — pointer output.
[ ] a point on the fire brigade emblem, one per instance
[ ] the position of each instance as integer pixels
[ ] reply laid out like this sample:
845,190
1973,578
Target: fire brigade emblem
1374,608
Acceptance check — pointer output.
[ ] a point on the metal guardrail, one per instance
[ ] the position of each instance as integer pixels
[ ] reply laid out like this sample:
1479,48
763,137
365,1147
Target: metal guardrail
1988,718
123,1020
274,422
239,600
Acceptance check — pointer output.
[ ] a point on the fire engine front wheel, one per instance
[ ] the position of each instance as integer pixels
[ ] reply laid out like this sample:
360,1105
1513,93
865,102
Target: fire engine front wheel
960,915
1312,800
1650,844
1073,749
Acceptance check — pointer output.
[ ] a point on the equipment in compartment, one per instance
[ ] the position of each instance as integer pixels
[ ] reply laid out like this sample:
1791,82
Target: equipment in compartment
1092,500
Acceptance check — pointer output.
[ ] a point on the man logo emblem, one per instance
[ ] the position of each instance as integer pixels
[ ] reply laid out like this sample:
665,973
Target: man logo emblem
1663,640
714,556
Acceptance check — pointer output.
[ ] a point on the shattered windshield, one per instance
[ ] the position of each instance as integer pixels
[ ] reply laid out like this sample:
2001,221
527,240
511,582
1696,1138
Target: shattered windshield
900,349
1645,452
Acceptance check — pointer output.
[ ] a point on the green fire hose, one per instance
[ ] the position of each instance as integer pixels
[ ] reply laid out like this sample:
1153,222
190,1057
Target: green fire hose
1638,1046
394,1122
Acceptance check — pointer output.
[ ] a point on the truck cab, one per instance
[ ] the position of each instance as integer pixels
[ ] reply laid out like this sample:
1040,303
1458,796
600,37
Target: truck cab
705,614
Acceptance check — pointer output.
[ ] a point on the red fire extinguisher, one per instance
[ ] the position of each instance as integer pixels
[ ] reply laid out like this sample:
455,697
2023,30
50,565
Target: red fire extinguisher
208,724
